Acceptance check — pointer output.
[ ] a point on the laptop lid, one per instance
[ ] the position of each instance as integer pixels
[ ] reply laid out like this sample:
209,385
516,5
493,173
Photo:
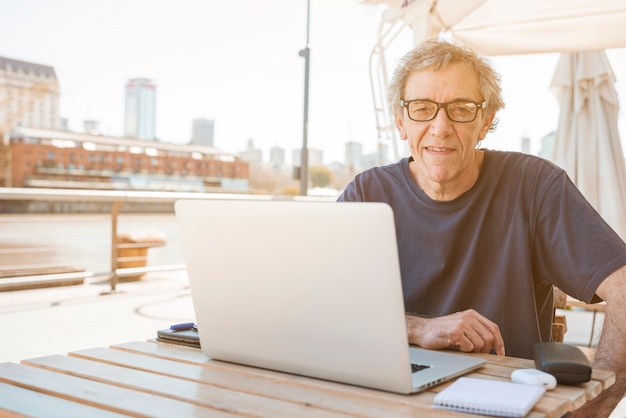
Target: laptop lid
310,288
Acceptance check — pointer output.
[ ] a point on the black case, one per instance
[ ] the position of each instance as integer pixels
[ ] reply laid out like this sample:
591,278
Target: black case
567,363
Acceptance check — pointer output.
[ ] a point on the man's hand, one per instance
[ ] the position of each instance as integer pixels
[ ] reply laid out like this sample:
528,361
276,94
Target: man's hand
466,331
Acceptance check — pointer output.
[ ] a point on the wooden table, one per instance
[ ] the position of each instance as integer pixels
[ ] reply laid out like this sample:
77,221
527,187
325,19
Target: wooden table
146,378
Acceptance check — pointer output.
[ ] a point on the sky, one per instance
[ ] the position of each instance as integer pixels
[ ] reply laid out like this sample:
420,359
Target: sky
237,62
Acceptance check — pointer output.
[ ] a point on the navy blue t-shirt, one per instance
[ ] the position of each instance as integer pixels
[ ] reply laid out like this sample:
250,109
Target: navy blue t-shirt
499,247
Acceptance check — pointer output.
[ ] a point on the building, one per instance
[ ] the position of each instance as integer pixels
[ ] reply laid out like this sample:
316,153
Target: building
140,113
29,97
61,159
202,132
315,157
354,156
525,144
547,146
382,155
277,157
252,154
91,127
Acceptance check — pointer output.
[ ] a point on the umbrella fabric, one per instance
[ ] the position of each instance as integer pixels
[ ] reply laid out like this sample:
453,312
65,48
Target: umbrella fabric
507,27
587,143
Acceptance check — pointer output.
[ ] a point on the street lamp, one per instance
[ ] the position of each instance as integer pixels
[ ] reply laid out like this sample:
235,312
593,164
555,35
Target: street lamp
304,156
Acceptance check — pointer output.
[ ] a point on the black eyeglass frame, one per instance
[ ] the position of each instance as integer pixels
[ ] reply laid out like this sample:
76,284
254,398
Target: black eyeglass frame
478,105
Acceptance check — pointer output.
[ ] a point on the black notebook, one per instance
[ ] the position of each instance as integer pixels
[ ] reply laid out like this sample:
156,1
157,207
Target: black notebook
187,337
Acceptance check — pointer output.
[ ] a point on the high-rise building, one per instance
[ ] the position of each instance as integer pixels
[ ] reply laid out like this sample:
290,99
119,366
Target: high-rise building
277,156
202,132
526,145
316,157
140,116
547,146
91,126
354,155
29,96
252,154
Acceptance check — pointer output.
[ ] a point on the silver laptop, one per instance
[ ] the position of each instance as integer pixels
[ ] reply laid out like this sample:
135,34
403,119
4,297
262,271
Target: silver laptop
309,288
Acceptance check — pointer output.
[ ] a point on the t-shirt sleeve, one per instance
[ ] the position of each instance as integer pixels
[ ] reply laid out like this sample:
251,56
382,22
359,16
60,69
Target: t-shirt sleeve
575,249
349,193
355,190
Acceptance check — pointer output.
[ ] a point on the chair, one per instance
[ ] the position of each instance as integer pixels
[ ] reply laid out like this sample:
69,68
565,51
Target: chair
595,308
559,323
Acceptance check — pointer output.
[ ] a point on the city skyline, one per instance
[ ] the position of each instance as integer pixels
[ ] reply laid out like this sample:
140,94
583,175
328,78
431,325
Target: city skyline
227,62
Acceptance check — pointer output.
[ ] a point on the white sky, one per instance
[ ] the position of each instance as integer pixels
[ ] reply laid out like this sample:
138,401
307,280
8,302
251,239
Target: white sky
237,62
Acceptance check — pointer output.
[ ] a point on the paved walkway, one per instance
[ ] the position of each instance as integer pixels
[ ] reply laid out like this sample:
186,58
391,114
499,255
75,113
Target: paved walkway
41,322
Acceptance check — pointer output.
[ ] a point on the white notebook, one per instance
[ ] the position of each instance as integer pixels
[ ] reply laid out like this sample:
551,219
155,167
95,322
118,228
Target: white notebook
489,397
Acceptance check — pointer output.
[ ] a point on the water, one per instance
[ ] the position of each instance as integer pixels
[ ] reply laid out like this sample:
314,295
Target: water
80,240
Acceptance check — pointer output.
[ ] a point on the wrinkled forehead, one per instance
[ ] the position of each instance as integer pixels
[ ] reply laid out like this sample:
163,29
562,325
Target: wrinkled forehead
444,83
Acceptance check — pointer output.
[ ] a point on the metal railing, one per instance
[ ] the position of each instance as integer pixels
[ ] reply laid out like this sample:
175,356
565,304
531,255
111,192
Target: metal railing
117,199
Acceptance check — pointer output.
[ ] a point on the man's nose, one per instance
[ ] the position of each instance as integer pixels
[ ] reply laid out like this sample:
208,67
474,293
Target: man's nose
441,124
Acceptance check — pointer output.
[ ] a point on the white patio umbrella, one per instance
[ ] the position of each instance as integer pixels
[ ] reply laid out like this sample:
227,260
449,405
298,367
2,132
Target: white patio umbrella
587,143
506,27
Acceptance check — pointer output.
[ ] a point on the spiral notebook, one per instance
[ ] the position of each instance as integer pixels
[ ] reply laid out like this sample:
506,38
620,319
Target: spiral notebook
489,397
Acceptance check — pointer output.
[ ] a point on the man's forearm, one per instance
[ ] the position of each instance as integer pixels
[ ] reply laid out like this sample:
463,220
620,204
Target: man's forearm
609,356
611,352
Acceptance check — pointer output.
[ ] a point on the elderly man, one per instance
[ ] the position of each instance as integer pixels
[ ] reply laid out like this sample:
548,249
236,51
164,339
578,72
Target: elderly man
484,235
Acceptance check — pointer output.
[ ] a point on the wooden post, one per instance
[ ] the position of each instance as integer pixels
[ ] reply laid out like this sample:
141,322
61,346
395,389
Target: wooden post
115,210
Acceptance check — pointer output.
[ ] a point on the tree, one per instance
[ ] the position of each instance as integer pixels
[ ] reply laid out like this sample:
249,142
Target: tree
321,176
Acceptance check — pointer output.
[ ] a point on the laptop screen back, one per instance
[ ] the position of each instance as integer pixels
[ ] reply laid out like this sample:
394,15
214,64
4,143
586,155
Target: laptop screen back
311,288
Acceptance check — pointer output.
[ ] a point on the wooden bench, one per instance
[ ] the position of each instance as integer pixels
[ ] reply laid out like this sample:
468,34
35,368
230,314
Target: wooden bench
132,253
34,277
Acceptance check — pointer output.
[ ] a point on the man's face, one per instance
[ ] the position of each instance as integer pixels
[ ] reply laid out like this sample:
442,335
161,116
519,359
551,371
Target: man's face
444,151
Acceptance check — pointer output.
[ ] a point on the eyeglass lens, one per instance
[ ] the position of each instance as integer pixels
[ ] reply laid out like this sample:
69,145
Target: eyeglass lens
423,111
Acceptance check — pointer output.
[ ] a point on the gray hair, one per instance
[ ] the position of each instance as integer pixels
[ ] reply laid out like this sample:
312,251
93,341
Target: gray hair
436,54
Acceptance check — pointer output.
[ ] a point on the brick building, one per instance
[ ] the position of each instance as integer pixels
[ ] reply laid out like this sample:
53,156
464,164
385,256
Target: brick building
60,159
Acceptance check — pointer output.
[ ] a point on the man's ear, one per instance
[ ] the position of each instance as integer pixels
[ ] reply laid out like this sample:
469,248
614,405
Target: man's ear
484,129
401,128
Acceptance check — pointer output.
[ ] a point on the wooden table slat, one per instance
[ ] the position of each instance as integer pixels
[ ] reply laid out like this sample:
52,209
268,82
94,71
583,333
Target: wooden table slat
605,377
192,390
17,401
499,367
553,406
323,395
100,395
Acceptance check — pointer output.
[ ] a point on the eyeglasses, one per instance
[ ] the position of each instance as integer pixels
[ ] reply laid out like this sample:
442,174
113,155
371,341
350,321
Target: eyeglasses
422,110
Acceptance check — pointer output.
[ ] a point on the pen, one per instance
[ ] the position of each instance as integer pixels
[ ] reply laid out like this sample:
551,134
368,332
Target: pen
183,326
